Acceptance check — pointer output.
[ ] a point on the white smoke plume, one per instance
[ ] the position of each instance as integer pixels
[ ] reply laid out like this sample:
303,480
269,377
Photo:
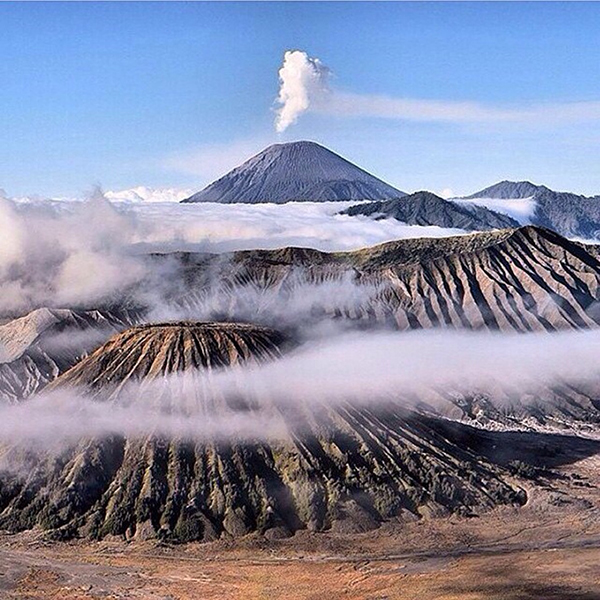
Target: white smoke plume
303,82
304,87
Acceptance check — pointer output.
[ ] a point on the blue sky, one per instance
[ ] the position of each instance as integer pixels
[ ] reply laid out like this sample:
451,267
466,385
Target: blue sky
127,94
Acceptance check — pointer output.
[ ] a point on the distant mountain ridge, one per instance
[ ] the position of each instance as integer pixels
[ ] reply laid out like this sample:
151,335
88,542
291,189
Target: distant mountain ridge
296,171
506,190
425,208
571,215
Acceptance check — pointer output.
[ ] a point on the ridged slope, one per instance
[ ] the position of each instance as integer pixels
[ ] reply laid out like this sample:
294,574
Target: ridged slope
297,171
336,466
147,352
526,279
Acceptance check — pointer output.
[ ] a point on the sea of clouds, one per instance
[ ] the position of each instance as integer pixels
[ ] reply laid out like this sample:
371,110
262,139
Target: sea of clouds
72,253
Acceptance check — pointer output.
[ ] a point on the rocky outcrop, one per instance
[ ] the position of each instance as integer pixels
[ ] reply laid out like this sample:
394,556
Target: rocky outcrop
38,347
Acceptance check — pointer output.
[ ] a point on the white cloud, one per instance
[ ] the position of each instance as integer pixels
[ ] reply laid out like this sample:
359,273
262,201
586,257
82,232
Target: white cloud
520,209
146,194
64,253
413,109
373,368
447,193
71,253
211,227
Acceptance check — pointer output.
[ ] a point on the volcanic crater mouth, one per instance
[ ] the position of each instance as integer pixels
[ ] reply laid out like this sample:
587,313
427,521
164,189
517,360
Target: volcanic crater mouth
200,325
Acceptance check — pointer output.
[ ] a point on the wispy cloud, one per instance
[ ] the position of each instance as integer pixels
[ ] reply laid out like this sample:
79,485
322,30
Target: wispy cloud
353,369
212,160
304,87
357,105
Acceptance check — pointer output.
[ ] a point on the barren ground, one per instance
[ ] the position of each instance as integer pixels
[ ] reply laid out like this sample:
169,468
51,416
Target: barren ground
549,549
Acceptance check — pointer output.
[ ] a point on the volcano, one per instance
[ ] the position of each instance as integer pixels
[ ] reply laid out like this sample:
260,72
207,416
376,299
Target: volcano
151,351
297,171
334,466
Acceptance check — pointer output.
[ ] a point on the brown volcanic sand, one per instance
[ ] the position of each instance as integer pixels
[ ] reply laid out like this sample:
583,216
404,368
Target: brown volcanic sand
547,550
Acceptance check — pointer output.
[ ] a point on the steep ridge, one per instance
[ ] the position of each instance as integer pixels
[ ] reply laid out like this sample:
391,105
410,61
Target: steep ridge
36,348
508,190
526,279
296,171
425,208
571,215
330,466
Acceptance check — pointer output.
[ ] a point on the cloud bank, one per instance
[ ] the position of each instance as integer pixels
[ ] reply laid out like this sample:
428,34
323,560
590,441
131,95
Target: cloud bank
64,253
78,254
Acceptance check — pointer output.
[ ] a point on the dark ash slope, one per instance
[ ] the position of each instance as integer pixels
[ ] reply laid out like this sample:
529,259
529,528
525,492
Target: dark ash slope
337,466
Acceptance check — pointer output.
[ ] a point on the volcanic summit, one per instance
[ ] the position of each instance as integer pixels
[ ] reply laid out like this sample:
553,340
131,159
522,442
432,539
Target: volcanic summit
296,171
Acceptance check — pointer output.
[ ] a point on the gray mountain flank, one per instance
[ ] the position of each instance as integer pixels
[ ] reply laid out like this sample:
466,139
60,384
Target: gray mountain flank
296,171
509,190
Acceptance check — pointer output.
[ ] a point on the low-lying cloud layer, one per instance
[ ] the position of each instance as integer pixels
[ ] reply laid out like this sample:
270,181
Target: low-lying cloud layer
67,254
370,369
64,253
224,228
